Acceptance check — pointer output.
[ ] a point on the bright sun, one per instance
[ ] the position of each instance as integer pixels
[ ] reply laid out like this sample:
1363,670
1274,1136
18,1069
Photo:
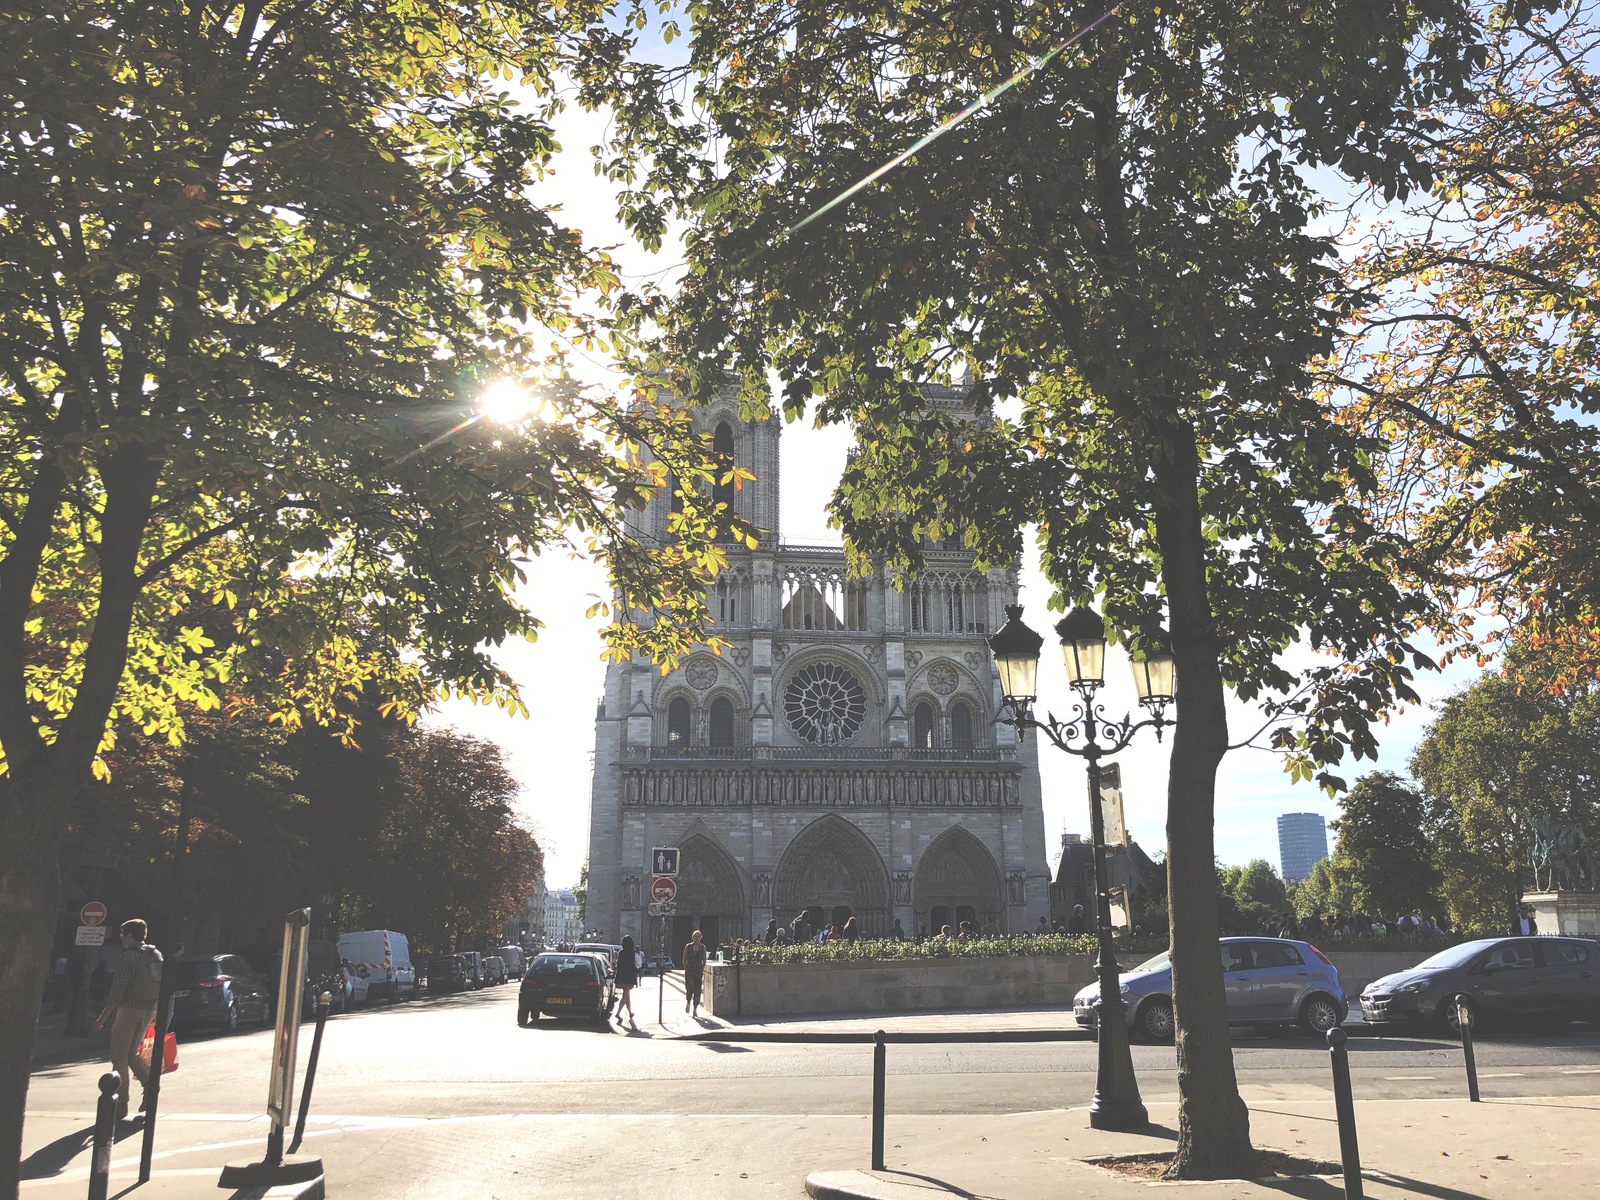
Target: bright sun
506,401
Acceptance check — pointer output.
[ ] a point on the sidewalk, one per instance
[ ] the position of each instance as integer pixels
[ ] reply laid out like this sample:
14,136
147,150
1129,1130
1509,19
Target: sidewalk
1446,1150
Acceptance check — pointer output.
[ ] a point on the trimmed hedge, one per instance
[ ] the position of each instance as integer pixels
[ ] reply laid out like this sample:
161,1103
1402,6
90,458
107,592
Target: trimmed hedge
1130,952
979,947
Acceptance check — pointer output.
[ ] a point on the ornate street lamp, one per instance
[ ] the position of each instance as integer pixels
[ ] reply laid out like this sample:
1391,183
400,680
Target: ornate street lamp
1116,1103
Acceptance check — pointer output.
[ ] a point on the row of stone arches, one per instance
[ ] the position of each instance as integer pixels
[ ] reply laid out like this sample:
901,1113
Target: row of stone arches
830,868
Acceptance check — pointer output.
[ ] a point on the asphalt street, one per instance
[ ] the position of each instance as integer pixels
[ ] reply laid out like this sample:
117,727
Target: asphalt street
438,1096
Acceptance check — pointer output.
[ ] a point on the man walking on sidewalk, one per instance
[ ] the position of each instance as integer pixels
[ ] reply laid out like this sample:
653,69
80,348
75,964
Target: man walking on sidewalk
694,967
131,1007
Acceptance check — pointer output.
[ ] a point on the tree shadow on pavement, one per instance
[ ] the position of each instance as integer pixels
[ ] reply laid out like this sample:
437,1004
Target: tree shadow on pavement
951,1188
1322,1187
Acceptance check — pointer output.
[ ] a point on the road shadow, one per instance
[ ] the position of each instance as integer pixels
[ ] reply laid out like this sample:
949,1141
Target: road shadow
725,1048
934,1181
50,1160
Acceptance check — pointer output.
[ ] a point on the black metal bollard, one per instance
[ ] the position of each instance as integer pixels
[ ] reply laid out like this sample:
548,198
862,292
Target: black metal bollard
105,1128
738,980
324,1002
880,1059
1464,1021
1345,1106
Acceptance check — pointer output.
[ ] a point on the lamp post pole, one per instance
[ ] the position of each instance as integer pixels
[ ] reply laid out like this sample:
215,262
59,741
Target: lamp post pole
1116,1104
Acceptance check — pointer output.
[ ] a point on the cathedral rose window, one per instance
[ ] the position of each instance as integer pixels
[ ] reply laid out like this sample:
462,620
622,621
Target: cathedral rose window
825,704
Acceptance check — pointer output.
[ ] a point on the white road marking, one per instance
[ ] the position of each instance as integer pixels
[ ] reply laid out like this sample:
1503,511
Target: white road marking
1582,1071
1505,1075
1397,1078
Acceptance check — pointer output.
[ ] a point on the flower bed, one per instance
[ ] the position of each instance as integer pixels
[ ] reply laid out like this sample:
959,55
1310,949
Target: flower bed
979,947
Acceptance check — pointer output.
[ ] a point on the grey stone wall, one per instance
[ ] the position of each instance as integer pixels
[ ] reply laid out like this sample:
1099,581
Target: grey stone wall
874,986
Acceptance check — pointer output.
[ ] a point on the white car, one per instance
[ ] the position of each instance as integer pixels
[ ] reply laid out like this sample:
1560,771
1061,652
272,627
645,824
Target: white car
382,959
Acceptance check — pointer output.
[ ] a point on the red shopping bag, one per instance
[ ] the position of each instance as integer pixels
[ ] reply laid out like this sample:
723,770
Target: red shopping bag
169,1050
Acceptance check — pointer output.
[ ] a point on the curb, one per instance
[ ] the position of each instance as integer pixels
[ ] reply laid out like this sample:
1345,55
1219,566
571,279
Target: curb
864,1037
311,1189
870,1185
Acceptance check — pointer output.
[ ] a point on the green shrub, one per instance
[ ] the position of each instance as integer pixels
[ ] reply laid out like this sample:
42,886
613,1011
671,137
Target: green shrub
1128,951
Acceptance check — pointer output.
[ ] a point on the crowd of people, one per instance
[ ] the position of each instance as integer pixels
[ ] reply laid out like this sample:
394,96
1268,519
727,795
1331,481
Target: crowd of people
1414,924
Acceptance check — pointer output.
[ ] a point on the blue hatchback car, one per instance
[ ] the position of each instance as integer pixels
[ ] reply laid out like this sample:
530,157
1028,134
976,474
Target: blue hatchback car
1269,981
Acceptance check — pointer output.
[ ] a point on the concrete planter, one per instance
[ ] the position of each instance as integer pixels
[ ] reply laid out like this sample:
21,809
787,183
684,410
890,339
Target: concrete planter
886,985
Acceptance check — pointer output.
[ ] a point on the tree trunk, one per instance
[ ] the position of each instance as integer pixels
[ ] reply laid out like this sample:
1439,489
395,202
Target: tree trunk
30,896
1213,1122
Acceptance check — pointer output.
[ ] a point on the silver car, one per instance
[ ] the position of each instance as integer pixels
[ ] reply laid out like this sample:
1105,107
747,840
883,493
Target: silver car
1269,981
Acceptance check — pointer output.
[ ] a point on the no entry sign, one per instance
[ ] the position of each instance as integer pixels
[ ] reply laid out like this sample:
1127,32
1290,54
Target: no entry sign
92,913
664,889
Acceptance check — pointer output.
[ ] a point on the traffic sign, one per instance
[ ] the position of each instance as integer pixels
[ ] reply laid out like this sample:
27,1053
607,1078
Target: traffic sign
92,913
663,889
670,909
665,860
91,935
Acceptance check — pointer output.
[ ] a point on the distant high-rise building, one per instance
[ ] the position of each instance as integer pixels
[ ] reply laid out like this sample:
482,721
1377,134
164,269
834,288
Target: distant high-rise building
1302,843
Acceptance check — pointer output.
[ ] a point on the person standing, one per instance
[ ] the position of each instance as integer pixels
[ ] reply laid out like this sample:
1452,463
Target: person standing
131,1007
627,978
694,966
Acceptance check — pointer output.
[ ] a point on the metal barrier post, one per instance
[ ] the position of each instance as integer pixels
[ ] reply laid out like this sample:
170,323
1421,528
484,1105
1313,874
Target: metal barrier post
1344,1106
1464,1021
880,1056
738,979
105,1128
324,1002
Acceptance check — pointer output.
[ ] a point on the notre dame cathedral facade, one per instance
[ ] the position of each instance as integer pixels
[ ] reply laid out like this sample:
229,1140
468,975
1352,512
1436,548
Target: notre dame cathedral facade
841,758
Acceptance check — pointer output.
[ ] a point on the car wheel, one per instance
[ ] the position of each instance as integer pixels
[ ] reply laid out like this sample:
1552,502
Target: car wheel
230,1017
1155,1019
1449,1019
1319,1014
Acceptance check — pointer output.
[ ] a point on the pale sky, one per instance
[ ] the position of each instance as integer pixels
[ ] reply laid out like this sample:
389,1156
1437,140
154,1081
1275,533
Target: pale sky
562,674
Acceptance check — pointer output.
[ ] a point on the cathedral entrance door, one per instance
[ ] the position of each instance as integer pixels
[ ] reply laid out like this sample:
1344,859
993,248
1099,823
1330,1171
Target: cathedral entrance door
939,919
841,914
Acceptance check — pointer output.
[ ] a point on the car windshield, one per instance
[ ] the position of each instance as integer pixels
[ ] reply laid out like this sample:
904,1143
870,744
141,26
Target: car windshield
565,966
189,972
1158,963
1455,956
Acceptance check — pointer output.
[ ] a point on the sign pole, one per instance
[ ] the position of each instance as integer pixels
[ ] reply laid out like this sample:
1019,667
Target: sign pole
277,1168
661,975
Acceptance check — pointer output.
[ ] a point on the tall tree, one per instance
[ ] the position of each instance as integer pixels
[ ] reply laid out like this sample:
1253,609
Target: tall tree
1496,757
257,257
1478,352
1116,250
1383,849
451,864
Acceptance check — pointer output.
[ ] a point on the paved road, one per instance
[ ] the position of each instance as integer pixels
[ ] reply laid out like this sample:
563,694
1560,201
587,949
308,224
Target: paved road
431,1096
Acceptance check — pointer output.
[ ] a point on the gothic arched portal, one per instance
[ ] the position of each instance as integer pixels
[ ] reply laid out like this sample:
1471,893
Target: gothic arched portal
830,868
957,881
710,895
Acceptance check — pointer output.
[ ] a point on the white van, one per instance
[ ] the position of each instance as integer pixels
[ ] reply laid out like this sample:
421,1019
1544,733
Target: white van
513,959
382,957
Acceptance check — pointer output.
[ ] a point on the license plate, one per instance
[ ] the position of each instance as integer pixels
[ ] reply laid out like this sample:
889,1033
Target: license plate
558,999
181,993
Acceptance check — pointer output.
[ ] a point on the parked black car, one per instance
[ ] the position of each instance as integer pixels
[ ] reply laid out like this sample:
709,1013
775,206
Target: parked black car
1515,980
223,990
448,973
565,985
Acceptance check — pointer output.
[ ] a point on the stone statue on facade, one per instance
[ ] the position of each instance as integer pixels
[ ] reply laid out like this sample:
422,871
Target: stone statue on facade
1562,858
630,892
763,891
